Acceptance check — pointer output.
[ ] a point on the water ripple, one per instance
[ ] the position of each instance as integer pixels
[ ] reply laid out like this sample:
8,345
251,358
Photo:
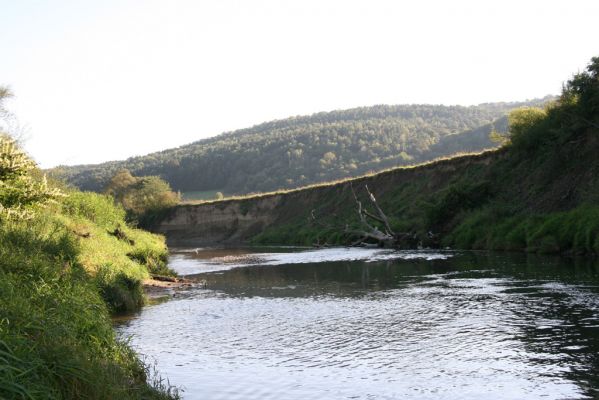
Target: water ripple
454,334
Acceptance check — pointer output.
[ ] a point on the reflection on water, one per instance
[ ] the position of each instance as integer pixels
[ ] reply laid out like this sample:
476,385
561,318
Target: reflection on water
194,261
466,326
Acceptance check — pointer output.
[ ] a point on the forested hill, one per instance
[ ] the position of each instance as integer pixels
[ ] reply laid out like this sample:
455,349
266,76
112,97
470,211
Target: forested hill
303,150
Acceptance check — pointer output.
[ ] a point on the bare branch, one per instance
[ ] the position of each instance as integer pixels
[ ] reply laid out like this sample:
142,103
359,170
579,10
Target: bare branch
374,217
383,217
368,231
361,211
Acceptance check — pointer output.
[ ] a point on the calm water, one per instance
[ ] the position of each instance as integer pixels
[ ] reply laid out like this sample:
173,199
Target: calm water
369,324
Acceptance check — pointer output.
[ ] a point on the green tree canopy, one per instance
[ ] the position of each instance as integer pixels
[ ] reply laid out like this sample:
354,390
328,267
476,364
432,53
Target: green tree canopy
523,119
141,195
302,150
582,92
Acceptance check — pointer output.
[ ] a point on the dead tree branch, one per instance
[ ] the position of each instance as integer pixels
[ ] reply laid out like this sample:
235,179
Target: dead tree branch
380,212
372,232
368,230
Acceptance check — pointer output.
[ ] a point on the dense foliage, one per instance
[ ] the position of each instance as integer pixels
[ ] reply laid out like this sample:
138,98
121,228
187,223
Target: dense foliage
304,150
20,191
141,197
63,269
539,193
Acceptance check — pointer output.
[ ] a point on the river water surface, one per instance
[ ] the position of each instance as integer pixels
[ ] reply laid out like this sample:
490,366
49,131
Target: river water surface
372,324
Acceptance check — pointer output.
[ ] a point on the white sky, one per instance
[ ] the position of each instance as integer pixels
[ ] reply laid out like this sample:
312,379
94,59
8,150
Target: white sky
102,80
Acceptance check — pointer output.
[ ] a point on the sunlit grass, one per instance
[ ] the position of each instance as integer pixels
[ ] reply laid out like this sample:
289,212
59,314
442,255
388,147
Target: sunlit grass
199,195
61,273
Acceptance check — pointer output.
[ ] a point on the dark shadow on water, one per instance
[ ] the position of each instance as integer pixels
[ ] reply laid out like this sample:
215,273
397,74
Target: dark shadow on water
359,278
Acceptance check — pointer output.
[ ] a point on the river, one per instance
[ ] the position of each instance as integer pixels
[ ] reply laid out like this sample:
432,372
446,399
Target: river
375,324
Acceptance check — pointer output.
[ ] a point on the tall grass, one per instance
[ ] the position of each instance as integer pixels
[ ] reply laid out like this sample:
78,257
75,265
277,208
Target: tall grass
61,274
575,231
119,256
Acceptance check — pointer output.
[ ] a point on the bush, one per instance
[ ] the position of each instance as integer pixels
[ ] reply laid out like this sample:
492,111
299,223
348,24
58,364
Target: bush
522,122
141,197
21,193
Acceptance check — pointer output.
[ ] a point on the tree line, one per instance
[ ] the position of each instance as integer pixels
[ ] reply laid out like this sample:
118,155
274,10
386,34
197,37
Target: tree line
304,150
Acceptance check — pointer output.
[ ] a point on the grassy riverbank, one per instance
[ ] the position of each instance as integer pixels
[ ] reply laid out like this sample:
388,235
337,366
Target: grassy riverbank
63,271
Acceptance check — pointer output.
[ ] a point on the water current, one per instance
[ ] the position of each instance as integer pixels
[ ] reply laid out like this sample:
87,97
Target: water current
375,324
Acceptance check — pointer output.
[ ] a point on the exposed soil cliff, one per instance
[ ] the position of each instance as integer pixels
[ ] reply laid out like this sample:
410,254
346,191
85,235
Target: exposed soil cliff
233,221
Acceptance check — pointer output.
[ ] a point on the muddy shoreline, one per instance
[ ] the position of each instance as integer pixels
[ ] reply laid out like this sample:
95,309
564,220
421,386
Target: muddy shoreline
156,288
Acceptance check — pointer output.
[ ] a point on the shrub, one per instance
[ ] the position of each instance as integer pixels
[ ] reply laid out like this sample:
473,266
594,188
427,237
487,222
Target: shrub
525,128
20,192
141,196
